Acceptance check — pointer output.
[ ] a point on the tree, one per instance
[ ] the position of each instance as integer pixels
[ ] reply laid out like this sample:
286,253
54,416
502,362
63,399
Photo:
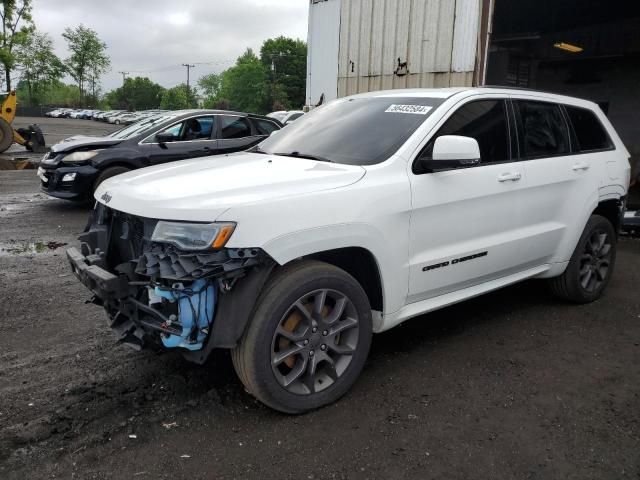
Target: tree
178,97
17,26
88,60
245,85
137,93
40,67
210,85
287,60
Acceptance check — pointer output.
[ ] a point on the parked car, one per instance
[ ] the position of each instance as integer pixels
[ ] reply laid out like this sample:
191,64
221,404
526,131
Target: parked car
285,117
117,118
294,253
291,116
279,115
76,166
106,116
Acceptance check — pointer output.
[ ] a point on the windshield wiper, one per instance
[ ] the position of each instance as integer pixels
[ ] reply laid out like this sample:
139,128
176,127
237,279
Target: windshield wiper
303,155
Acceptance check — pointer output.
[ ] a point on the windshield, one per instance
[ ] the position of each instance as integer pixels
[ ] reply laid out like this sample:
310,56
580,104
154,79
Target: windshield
355,131
141,126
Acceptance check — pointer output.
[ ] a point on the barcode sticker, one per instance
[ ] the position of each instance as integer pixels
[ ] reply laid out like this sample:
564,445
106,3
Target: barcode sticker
414,109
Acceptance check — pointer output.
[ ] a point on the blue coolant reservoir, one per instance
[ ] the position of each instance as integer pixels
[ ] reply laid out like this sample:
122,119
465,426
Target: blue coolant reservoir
196,307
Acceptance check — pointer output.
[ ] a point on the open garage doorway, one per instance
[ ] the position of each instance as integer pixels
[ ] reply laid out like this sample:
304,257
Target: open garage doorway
583,48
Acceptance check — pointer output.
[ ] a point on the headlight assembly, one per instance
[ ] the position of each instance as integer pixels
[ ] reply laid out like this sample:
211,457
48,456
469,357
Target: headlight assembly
193,236
77,157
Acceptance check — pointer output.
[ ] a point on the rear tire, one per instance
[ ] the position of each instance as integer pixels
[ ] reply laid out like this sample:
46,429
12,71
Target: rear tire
6,135
108,173
308,338
591,264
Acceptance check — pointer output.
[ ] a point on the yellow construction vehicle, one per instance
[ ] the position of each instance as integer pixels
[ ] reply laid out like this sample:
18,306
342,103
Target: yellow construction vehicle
31,137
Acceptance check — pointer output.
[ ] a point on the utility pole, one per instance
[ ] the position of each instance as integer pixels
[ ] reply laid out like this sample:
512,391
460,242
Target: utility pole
124,75
189,67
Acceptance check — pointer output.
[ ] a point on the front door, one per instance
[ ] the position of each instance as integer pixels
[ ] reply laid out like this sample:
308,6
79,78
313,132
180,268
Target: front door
468,225
193,137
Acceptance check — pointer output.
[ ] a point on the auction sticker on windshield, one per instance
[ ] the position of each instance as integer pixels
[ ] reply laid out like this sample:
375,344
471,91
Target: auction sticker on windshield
415,109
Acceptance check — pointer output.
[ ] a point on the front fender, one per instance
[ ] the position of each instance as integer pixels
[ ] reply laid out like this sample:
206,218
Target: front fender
391,264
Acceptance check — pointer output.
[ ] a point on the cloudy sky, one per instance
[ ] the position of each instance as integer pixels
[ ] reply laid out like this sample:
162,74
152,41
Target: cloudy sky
154,37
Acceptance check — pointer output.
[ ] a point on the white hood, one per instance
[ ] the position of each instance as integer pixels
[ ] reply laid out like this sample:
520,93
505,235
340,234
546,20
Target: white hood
202,189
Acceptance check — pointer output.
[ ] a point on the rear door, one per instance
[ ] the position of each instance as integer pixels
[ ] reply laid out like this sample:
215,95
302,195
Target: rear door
193,138
236,133
561,183
468,225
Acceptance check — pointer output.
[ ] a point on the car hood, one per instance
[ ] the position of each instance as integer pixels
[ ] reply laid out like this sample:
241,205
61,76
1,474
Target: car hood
204,188
78,141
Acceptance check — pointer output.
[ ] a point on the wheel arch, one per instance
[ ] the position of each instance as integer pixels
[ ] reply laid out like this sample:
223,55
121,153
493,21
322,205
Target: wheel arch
612,210
361,264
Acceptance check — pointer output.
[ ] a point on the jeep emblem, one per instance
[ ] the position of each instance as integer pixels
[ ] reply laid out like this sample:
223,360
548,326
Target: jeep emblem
106,197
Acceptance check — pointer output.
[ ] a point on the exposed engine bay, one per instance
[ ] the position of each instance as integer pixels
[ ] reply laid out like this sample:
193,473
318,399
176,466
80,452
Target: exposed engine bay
157,293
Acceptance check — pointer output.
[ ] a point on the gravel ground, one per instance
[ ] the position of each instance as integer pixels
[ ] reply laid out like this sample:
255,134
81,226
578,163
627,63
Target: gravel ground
510,385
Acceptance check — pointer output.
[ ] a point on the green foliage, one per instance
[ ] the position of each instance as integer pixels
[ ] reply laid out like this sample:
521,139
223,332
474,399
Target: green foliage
275,81
245,85
88,59
17,27
287,60
138,93
55,93
210,86
178,97
40,68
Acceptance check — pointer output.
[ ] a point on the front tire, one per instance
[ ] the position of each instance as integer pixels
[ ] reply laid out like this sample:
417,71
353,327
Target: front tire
108,173
591,264
308,339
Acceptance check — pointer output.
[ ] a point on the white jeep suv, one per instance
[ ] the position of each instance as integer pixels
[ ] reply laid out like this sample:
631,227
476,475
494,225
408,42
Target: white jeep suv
366,212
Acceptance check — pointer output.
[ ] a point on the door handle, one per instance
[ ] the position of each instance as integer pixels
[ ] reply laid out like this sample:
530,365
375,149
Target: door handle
580,166
510,177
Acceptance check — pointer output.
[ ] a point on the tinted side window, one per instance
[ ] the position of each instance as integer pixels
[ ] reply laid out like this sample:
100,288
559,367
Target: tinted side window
542,130
234,127
264,127
198,128
484,120
590,133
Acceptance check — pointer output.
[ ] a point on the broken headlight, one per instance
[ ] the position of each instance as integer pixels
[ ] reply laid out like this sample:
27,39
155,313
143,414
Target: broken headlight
193,236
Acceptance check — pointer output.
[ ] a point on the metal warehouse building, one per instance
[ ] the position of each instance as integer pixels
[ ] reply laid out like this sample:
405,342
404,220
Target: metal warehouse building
583,48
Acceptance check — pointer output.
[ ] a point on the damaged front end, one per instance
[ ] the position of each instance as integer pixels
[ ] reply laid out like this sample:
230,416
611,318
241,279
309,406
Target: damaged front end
157,290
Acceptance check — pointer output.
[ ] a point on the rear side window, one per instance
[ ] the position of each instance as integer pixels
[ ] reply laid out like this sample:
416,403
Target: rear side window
484,120
234,127
542,130
590,133
264,127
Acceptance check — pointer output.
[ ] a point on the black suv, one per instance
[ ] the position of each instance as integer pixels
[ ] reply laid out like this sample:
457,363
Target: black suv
76,166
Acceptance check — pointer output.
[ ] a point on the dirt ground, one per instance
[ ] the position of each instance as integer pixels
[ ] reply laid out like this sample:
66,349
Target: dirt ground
510,385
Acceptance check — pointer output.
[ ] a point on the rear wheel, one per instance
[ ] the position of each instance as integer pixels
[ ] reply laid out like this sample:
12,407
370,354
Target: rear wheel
6,135
308,339
591,264
108,173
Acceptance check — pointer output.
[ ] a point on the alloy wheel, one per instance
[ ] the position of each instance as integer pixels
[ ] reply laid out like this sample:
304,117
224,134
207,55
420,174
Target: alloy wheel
315,341
595,261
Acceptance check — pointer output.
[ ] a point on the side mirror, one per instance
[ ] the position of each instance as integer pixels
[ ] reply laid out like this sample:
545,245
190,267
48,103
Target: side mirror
164,137
453,151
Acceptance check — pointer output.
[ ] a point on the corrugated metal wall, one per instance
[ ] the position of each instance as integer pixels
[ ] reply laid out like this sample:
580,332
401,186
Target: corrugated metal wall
436,38
322,56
